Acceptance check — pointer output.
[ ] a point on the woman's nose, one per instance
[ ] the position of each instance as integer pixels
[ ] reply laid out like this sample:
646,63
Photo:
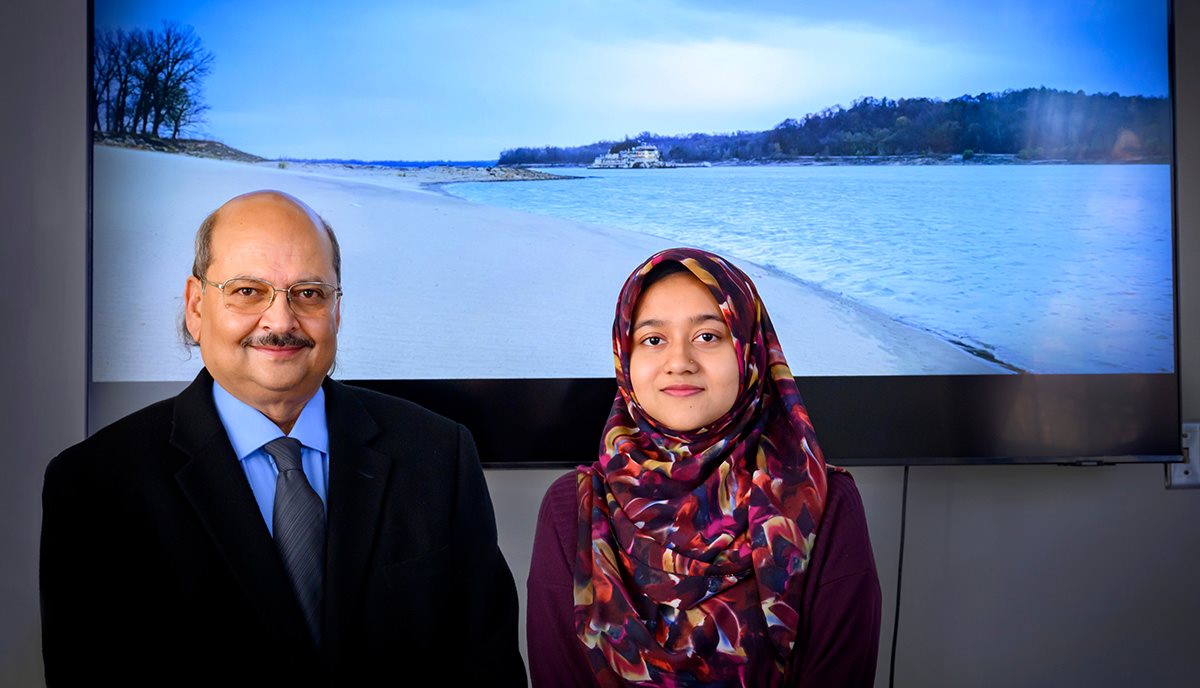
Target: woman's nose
681,358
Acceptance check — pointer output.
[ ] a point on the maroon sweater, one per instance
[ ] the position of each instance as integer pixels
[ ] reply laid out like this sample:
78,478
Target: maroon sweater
838,639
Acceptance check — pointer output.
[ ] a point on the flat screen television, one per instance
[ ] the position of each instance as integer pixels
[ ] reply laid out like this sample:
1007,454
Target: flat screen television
960,215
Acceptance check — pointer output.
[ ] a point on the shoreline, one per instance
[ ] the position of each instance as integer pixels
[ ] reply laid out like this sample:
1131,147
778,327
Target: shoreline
981,352
430,178
978,352
536,290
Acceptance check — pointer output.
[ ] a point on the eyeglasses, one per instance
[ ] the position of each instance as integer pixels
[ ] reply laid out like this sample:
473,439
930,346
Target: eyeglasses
250,296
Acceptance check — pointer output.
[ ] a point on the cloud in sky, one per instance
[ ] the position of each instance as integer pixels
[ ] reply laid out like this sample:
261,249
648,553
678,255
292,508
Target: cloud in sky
385,80
784,71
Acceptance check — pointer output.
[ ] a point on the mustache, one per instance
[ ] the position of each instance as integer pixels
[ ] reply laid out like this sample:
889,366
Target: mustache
275,339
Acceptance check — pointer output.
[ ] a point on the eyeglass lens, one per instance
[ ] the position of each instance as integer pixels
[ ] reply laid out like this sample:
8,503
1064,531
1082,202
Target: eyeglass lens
254,296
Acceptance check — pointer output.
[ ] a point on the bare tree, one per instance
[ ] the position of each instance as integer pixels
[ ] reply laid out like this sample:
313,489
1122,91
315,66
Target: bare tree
183,111
129,49
144,63
112,55
104,61
182,63
144,79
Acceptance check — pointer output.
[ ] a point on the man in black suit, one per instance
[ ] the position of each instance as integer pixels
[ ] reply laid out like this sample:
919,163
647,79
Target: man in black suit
187,543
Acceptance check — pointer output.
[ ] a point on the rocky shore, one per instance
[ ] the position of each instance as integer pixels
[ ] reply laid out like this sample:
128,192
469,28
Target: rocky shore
195,147
433,175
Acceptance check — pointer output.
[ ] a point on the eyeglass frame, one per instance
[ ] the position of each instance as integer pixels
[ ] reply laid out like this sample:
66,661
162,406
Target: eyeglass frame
204,281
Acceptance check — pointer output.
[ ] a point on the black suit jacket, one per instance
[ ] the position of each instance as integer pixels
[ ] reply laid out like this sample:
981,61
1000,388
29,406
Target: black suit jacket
157,567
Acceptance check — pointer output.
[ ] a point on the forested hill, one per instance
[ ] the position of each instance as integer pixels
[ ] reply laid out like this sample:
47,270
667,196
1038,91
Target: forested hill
1032,124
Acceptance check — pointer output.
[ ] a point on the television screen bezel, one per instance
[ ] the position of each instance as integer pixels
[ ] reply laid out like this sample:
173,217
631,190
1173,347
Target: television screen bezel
860,420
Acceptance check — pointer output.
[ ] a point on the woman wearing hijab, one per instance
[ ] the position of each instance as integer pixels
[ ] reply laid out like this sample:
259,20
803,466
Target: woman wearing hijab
709,544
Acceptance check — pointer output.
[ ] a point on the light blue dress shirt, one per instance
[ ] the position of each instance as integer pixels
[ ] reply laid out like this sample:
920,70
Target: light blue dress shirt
248,430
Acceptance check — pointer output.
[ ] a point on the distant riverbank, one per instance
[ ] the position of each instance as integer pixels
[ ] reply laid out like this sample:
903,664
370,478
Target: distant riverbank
819,160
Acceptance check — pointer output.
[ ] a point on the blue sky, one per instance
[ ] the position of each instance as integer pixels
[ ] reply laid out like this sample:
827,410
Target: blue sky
389,80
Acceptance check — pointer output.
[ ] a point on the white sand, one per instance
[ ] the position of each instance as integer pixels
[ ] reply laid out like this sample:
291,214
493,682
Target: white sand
436,287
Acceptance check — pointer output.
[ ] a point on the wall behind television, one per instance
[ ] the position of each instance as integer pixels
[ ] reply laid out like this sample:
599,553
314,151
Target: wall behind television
1015,575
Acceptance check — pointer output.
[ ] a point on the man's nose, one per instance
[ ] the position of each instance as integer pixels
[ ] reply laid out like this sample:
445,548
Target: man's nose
279,316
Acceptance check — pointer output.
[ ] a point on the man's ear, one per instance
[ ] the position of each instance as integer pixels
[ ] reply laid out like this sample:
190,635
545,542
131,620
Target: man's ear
191,306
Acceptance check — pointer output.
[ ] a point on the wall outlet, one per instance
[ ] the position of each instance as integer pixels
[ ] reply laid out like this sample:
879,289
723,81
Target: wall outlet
1187,474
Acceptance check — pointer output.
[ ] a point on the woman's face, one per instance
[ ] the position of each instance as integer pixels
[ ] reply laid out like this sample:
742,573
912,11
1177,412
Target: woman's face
682,365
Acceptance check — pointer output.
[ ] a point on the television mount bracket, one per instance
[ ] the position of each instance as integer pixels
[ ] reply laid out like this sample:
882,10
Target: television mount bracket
1186,475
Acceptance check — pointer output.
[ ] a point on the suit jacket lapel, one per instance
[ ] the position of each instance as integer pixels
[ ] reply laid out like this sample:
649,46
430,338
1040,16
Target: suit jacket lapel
358,475
215,484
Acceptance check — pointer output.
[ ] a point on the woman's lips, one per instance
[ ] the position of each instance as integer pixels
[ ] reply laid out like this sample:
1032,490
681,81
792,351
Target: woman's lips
682,390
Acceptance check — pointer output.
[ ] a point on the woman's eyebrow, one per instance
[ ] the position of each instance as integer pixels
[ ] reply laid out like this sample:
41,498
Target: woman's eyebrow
649,322
705,317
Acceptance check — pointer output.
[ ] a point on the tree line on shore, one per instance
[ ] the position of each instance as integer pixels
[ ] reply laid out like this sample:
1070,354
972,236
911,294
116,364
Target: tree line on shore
1031,124
145,80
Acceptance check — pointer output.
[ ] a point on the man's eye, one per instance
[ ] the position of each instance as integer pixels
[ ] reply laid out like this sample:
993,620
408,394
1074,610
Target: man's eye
308,294
246,292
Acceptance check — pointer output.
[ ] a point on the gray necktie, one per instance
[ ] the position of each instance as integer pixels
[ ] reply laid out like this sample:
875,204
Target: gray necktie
299,529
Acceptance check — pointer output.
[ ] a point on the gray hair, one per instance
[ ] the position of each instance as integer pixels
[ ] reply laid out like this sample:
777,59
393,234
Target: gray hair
203,260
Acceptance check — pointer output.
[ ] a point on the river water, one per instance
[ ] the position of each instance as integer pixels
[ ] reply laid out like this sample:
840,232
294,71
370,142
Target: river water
1048,268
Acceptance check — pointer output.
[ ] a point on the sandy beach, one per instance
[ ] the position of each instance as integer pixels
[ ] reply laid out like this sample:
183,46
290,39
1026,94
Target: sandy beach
435,286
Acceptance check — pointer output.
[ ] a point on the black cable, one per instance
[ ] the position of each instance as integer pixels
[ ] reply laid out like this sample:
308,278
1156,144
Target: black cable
899,574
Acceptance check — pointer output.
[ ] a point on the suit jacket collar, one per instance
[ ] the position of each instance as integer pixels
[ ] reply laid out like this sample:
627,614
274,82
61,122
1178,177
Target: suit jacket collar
216,486
358,475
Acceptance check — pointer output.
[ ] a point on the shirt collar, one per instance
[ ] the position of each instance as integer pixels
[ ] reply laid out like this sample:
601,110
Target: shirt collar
248,429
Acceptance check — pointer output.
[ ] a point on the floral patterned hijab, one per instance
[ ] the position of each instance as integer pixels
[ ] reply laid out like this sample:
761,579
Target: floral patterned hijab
692,544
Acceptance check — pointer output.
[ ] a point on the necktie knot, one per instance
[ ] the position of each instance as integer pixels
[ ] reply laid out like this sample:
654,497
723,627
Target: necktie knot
286,452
